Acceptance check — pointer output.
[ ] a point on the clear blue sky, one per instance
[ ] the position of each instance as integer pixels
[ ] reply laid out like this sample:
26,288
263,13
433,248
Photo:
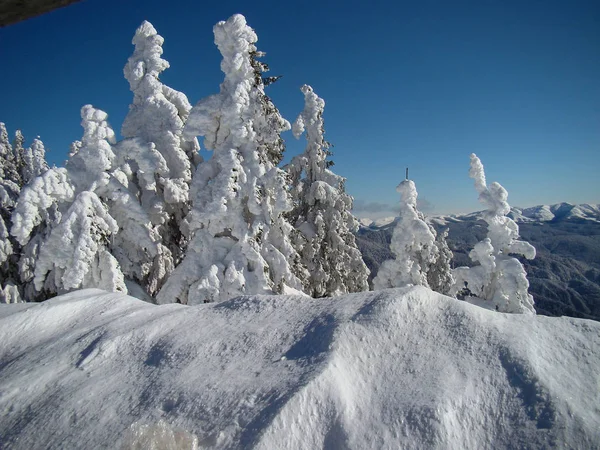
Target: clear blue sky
419,84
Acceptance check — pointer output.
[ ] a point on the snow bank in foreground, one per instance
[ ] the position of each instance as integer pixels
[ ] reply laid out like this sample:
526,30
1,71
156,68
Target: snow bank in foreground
403,368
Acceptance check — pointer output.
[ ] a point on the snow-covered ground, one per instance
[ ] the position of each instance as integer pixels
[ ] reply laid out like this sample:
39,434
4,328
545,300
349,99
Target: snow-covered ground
401,368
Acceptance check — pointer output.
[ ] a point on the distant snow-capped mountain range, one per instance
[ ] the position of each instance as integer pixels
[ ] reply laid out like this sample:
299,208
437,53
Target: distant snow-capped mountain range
540,213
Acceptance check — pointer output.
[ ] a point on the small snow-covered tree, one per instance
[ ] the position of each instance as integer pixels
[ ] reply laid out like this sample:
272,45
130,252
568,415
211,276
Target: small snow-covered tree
34,161
35,213
239,245
440,276
156,157
19,155
10,186
17,167
322,211
421,258
8,168
64,225
499,279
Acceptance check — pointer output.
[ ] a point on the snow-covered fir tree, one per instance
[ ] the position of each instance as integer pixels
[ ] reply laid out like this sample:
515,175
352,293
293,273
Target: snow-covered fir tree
156,158
440,276
94,166
322,211
18,147
10,186
499,279
420,257
63,224
34,161
35,213
9,169
239,241
18,166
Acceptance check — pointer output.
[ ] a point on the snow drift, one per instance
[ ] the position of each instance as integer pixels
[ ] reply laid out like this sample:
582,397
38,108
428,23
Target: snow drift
400,368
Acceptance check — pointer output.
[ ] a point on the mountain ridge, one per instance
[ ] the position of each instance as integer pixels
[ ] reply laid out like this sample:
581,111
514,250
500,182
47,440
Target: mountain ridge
538,213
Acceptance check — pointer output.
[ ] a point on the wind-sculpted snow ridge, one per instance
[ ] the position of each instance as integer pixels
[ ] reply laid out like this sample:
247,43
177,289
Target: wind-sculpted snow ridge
400,368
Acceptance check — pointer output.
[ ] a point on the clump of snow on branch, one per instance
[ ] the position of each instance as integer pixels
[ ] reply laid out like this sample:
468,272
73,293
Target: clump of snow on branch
322,211
420,258
239,196
499,279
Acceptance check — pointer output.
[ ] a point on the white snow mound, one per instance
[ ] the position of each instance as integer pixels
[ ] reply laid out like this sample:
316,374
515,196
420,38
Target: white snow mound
400,368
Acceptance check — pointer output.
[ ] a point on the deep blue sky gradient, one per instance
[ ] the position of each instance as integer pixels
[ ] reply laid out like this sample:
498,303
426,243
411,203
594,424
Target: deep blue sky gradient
418,84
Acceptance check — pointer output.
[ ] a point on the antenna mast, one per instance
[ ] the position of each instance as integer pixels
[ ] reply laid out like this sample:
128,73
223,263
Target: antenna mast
407,173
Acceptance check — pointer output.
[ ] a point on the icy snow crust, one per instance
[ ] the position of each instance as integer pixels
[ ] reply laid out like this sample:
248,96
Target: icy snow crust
399,368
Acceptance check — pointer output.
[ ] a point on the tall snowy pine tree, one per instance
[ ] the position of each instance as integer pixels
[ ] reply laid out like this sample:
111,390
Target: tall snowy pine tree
239,241
322,211
155,157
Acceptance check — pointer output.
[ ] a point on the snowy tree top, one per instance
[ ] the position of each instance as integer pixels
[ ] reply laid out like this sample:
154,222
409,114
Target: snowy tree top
146,58
311,118
494,196
19,139
235,39
408,192
232,114
95,126
88,167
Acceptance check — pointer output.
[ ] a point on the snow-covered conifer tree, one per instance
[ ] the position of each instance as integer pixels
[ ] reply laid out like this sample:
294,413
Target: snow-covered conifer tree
157,158
17,167
70,250
36,212
8,166
34,161
420,257
10,186
239,243
322,211
440,276
499,278
19,154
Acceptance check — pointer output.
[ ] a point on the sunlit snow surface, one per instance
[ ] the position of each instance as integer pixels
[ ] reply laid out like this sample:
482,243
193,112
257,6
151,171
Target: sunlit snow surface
402,368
